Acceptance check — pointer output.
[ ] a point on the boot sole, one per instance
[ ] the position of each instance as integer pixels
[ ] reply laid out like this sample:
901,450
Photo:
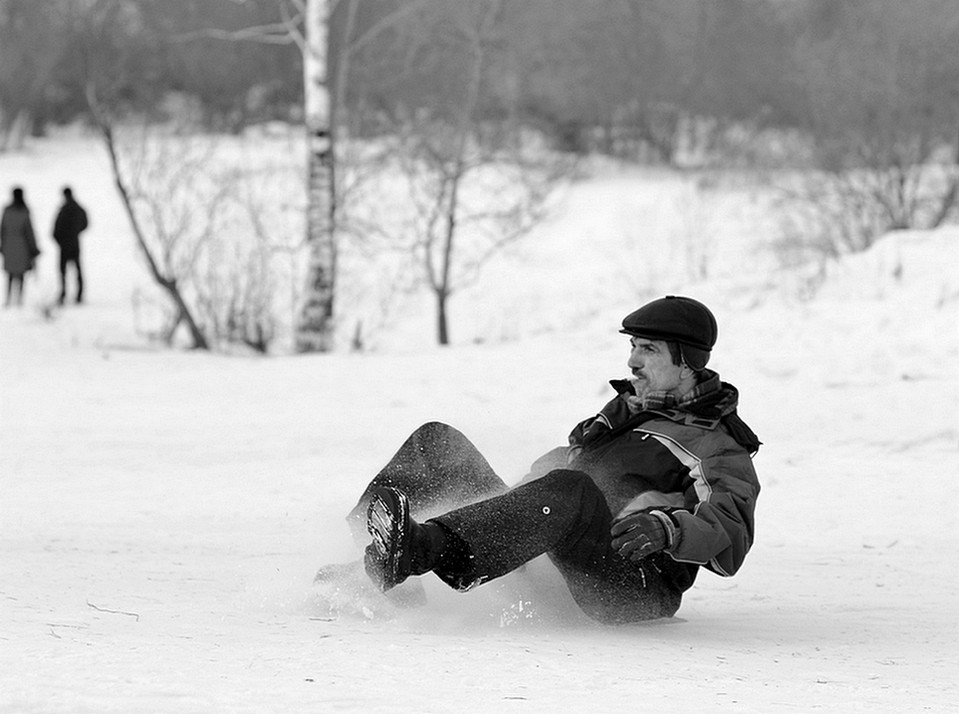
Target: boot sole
387,521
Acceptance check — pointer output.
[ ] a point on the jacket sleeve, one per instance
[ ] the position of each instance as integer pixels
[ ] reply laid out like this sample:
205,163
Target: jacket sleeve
716,528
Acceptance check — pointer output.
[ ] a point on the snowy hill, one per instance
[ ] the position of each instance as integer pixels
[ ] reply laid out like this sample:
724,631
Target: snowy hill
163,513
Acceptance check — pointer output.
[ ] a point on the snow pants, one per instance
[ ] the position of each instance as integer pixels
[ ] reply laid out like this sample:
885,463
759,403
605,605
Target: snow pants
562,514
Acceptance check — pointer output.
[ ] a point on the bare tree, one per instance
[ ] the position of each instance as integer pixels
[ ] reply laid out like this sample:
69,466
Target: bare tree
162,211
468,211
307,24
261,241
325,129
467,193
235,280
211,229
882,111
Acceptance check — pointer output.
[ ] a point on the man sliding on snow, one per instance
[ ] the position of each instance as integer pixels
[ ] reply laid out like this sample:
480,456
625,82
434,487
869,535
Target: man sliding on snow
657,485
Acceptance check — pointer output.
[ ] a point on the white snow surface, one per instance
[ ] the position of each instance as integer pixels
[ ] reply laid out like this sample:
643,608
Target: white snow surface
163,512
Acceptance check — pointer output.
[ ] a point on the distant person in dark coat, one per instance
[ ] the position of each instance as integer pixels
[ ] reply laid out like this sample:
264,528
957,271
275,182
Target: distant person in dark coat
18,244
71,222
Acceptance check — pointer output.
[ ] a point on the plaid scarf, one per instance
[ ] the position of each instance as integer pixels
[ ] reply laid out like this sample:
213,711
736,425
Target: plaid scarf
710,398
688,402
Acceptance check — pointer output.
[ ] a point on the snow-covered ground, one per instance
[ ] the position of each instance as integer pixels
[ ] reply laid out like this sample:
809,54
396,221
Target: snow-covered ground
162,513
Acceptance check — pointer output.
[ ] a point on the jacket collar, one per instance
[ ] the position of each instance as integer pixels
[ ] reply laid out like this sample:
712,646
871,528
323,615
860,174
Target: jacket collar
709,403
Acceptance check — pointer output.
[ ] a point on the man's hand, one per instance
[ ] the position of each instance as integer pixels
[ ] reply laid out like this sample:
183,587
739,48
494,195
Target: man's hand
639,535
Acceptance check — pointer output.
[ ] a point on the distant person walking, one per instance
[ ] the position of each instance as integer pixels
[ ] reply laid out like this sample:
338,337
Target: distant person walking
18,245
71,222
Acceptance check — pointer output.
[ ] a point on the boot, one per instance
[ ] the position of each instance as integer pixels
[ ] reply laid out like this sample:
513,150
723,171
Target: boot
401,547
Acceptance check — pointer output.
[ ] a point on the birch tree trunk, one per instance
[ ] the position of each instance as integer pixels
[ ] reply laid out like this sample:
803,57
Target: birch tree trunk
314,332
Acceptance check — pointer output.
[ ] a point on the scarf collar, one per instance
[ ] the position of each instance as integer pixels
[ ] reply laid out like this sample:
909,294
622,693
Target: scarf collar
703,395
710,398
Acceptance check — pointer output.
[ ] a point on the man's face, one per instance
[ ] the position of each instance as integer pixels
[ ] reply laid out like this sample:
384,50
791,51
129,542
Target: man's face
652,366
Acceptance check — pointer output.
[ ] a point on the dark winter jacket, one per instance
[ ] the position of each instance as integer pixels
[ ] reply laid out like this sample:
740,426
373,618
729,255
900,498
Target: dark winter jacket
693,464
71,222
18,244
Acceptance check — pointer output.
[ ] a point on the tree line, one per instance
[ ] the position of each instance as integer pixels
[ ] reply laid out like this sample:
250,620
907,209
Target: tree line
470,110
655,80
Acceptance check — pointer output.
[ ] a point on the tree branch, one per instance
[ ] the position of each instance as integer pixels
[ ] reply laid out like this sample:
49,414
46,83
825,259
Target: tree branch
277,33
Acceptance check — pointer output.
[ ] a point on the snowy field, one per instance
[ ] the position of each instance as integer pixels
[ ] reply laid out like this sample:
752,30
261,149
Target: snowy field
162,513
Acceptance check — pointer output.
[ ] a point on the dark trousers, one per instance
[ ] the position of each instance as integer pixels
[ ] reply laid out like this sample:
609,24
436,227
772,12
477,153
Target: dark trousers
65,260
562,514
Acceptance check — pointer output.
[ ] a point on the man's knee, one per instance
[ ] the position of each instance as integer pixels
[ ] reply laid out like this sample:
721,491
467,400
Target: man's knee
434,430
443,443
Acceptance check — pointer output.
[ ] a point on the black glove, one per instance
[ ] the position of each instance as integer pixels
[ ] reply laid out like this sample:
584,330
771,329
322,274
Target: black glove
639,535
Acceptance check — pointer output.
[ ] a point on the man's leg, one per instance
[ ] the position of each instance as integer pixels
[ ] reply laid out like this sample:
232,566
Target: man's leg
76,262
563,514
63,278
18,281
437,468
